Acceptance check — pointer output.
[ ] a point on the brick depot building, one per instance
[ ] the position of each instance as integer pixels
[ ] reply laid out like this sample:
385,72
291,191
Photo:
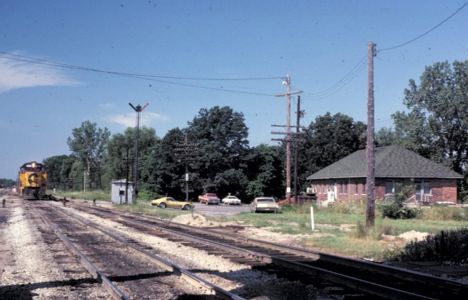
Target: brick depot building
394,166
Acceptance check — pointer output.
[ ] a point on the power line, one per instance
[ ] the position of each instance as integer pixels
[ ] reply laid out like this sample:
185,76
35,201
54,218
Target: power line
41,61
147,77
426,32
340,84
207,87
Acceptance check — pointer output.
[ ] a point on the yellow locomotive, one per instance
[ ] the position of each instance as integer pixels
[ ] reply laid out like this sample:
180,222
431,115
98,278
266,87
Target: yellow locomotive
32,180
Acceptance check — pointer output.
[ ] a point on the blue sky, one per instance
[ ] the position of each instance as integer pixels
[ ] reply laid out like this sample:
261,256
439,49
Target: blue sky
316,42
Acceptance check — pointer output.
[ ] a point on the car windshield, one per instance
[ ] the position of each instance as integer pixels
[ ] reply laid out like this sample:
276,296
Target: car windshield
169,198
265,200
211,195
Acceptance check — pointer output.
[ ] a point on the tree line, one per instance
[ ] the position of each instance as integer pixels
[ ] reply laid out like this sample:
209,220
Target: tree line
213,147
220,159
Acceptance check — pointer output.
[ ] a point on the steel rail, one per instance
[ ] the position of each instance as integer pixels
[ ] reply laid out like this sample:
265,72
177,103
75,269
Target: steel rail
343,279
115,292
160,261
386,270
396,272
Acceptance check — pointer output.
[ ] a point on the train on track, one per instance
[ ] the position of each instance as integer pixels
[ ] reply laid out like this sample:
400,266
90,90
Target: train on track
32,181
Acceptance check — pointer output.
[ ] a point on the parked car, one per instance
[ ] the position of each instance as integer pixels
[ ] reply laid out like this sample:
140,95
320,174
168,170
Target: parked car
231,200
208,198
264,204
171,203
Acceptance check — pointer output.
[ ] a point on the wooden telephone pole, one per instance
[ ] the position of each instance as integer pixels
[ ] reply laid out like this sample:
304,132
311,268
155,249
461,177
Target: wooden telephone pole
297,141
370,147
186,152
288,138
288,133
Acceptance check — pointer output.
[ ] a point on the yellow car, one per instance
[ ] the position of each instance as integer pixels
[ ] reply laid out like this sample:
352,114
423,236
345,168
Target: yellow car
171,203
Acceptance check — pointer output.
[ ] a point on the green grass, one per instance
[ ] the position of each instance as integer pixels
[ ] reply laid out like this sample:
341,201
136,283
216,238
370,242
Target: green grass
88,195
358,241
346,244
444,213
145,208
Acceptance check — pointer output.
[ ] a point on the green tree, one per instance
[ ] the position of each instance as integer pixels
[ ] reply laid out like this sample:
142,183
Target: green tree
163,171
120,155
265,172
75,179
221,135
88,143
328,139
436,123
58,169
385,137
5,182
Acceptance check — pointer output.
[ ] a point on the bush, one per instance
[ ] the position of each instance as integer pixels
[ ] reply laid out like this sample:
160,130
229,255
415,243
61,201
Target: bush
447,246
396,208
146,195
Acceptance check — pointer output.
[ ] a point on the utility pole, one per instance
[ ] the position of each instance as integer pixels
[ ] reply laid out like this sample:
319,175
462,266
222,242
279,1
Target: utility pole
138,109
126,175
299,115
370,147
287,139
186,173
185,150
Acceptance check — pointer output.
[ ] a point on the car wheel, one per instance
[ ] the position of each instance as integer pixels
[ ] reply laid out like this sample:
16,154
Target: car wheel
162,205
187,207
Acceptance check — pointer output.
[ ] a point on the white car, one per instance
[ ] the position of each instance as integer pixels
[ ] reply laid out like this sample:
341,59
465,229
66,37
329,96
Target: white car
231,200
265,204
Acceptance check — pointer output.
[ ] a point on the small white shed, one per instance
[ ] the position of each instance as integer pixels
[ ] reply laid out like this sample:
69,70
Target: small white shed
118,190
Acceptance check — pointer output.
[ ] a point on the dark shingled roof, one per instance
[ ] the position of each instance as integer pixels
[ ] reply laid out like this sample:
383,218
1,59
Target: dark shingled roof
390,162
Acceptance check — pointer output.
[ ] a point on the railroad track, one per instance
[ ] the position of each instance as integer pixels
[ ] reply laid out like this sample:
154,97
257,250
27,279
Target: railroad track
99,254
358,275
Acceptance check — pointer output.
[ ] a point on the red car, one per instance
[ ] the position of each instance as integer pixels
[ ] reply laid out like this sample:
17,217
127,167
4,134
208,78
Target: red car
208,198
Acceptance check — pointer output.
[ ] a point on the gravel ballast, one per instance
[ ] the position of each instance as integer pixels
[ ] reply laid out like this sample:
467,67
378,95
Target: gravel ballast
32,270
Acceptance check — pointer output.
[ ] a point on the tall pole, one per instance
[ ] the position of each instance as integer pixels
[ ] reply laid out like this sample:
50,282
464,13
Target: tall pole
138,109
185,150
296,144
136,153
126,176
288,138
370,147
186,171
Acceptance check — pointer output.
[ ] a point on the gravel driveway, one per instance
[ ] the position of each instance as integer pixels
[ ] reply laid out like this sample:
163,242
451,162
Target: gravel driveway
220,210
